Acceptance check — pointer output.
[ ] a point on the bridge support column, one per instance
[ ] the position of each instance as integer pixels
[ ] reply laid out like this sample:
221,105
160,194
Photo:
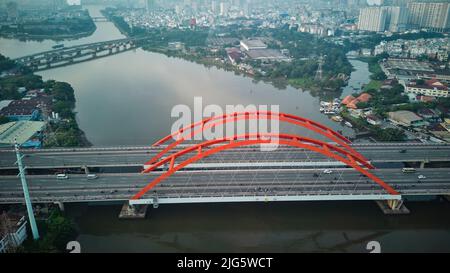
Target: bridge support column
446,197
393,207
133,211
60,206
422,164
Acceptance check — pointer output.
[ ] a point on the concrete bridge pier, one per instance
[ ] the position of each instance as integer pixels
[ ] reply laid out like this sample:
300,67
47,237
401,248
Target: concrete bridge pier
60,205
393,207
422,164
86,169
133,211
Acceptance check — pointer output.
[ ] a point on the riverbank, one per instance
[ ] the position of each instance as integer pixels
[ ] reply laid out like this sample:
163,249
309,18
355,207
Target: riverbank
54,102
297,70
56,37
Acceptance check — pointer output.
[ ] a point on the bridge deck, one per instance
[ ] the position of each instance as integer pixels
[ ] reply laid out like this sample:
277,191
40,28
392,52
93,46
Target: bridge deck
342,184
129,156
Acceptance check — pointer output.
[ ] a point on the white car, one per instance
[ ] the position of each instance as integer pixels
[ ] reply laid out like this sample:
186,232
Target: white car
422,176
327,171
91,176
62,176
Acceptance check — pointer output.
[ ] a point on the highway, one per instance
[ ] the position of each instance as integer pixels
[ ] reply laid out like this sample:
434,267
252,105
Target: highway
137,156
221,183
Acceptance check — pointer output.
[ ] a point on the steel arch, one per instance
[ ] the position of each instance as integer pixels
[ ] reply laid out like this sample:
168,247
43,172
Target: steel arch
283,139
233,117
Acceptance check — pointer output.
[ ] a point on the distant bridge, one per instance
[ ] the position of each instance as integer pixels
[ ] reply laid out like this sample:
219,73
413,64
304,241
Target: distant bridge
100,19
77,54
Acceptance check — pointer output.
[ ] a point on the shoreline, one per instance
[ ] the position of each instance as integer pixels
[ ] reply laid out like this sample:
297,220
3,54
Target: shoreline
49,37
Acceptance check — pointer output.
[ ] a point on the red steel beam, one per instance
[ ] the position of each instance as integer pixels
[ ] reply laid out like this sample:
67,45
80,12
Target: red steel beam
327,146
289,140
323,130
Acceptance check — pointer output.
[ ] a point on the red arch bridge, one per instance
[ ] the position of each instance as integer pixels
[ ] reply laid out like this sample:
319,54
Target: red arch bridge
310,162
179,153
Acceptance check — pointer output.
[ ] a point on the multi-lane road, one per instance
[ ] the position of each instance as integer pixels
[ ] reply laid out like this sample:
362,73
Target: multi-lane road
137,156
188,184
283,174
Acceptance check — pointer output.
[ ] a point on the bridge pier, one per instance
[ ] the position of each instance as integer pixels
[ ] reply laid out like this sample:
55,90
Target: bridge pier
392,207
133,211
422,164
60,205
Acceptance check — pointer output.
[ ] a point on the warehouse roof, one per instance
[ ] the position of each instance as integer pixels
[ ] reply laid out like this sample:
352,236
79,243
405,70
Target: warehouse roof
20,131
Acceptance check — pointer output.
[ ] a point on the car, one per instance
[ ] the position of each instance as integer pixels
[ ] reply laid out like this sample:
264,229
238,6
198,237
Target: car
327,171
91,176
402,151
421,176
62,176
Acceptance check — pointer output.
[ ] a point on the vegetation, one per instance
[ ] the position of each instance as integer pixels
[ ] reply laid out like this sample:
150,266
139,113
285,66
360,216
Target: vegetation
6,63
387,134
63,133
374,67
373,85
4,120
303,47
52,27
9,85
55,233
380,134
370,41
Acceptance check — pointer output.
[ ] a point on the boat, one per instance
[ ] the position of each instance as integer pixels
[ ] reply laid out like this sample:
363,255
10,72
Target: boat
329,112
348,124
58,46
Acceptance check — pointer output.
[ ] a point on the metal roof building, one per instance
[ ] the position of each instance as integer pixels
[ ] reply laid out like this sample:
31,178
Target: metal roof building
20,131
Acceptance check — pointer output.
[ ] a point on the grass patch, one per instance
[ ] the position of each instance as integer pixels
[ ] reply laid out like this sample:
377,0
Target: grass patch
373,84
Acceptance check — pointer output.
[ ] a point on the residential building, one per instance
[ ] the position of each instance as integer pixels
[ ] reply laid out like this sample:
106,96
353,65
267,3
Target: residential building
372,19
406,118
433,88
432,15
352,102
374,119
396,19
251,44
13,231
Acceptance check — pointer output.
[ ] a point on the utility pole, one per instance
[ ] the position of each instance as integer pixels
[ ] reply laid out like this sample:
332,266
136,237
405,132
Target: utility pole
319,72
26,194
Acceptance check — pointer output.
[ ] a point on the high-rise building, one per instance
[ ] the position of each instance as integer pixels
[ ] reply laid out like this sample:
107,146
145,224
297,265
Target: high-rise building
385,18
214,6
372,19
150,5
223,8
12,11
432,15
396,19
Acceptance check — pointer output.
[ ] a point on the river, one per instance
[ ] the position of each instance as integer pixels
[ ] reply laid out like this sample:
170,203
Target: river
126,99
